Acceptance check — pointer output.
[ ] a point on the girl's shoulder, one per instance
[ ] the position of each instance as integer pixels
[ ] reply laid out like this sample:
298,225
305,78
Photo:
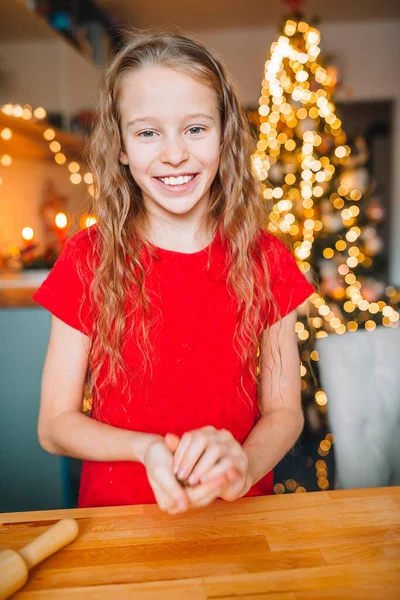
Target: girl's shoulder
276,250
269,240
84,239
289,285
81,249
64,292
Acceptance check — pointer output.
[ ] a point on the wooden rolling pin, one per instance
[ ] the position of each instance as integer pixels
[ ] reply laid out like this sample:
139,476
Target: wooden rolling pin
14,566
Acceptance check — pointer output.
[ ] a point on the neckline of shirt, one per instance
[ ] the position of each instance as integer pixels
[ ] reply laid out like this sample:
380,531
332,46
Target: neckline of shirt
166,252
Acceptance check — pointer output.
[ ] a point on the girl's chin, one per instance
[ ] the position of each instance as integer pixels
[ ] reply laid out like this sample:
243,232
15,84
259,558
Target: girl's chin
179,208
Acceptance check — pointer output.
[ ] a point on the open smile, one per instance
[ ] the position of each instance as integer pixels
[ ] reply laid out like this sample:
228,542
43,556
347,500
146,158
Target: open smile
177,184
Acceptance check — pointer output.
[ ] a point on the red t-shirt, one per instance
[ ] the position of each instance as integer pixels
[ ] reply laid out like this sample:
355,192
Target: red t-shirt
196,376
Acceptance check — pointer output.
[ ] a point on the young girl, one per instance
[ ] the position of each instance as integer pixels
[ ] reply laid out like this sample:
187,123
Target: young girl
177,303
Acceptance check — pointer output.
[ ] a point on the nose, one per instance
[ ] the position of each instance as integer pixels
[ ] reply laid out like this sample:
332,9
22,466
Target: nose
174,150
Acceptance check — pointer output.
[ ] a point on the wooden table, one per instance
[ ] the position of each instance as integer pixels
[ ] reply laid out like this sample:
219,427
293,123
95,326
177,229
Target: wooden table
320,545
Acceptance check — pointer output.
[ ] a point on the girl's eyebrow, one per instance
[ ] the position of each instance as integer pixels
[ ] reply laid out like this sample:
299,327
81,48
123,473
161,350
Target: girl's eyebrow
189,116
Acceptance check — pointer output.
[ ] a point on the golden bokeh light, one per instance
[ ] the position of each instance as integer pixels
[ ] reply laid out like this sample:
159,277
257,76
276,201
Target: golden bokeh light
55,146
60,158
61,220
27,233
49,134
6,133
6,160
39,113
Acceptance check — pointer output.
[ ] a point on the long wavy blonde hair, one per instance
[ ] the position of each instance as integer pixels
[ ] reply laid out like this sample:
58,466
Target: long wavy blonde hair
236,208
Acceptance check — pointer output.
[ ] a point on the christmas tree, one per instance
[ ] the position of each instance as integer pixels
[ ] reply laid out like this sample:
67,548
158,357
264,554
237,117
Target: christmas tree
323,198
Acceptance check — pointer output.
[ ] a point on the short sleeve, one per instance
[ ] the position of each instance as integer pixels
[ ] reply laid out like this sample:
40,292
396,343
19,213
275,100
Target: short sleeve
289,286
65,291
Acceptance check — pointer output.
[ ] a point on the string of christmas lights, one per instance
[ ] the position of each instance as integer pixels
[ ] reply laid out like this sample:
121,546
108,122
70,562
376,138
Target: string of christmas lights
75,168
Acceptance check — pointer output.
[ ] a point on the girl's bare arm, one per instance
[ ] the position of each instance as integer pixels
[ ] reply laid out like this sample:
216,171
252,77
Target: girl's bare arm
282,419
62,428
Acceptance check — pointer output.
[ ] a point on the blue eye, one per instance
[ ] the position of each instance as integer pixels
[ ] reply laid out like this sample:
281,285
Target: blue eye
196,131
199,128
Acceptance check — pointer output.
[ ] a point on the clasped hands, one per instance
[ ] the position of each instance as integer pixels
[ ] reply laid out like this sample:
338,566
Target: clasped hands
190,472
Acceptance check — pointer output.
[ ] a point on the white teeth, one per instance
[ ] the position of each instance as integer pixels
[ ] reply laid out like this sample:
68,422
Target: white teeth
176,180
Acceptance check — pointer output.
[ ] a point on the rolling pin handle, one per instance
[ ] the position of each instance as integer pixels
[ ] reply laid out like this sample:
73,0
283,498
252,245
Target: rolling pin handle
51,540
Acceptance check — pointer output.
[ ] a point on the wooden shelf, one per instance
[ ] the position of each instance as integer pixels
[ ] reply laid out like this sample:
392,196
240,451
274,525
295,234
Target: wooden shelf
27,141
17,298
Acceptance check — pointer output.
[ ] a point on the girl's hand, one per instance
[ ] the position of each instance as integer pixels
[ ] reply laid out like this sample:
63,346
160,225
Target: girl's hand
169,494
205,453
167,490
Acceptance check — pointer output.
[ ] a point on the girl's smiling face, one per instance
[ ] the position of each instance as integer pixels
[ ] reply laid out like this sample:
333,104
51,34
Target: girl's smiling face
171,127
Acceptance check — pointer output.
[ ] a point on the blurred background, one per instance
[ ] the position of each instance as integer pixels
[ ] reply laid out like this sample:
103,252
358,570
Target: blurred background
321,86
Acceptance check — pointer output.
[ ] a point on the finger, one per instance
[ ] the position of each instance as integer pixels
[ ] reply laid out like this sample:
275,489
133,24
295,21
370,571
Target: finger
210,458
193,451
197,492
187,439
225,465
172,441
232,474
172,488
184,443
162,498
229,491
203,494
